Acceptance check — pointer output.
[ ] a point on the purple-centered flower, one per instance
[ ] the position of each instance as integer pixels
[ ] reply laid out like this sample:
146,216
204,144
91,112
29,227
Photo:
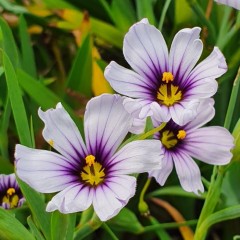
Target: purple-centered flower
162,82
94,172
231,3
211,145
10,193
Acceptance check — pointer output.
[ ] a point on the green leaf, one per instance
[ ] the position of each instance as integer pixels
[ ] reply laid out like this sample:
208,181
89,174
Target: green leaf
37,234
126,220
37,207
62,225
236,135
145,10
220,216
43,96
16,100
11,228
8,43
28,61
174,191
80,77
13,8
123,14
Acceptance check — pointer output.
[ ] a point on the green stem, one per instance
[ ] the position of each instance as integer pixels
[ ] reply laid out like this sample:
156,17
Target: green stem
142,205
110,232
163,15
214,191
232,101
169,225
151,132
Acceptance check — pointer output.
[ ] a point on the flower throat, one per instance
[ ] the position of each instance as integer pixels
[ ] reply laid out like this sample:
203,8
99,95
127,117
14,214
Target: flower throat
168,94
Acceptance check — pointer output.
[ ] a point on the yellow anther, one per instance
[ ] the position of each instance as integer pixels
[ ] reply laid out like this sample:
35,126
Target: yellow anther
10,191
90,160
181,134
168,139
51,142
167,77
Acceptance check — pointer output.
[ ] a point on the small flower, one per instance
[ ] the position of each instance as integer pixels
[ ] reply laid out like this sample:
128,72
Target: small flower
10,193
94,172
167,85
211,145
231,3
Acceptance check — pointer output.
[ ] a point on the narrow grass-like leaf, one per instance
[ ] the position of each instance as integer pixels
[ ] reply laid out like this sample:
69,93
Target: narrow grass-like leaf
28,61
80,77
18,108
62,225
8,43
145,10
37,234
42,95
11,228
37,207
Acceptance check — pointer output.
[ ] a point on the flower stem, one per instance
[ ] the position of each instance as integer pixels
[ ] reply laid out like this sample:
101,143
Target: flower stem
110,232
142,205
214,191
163,15
151,132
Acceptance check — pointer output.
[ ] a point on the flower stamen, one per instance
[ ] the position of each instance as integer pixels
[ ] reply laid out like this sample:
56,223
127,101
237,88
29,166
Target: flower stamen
181,134
93,172
11,198
167,77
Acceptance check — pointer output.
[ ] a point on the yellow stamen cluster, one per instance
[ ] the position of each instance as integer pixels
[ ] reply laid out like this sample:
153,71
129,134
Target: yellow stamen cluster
11,198
167,77
93,172
170,140
168,94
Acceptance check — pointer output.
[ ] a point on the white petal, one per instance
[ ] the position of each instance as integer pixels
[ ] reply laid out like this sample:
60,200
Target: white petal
106,123
74,198
127,82
160,113
105,203
123,186
184,112
62,133
138,126
185,51
231,3
162,174
44,171
146,51
204,74
188,173
136,157
205,112
210,144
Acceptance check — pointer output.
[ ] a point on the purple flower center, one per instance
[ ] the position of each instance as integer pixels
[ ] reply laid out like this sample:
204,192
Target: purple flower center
168,94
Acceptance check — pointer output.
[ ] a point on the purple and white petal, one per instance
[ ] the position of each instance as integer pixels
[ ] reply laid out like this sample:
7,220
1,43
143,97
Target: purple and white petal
138,126
74,198
137,157
188,173
43,170
105,203
62,133
162,174
210,144
231,3
205,72
185,51
127,82
106,124
184,112
205,113
145,50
